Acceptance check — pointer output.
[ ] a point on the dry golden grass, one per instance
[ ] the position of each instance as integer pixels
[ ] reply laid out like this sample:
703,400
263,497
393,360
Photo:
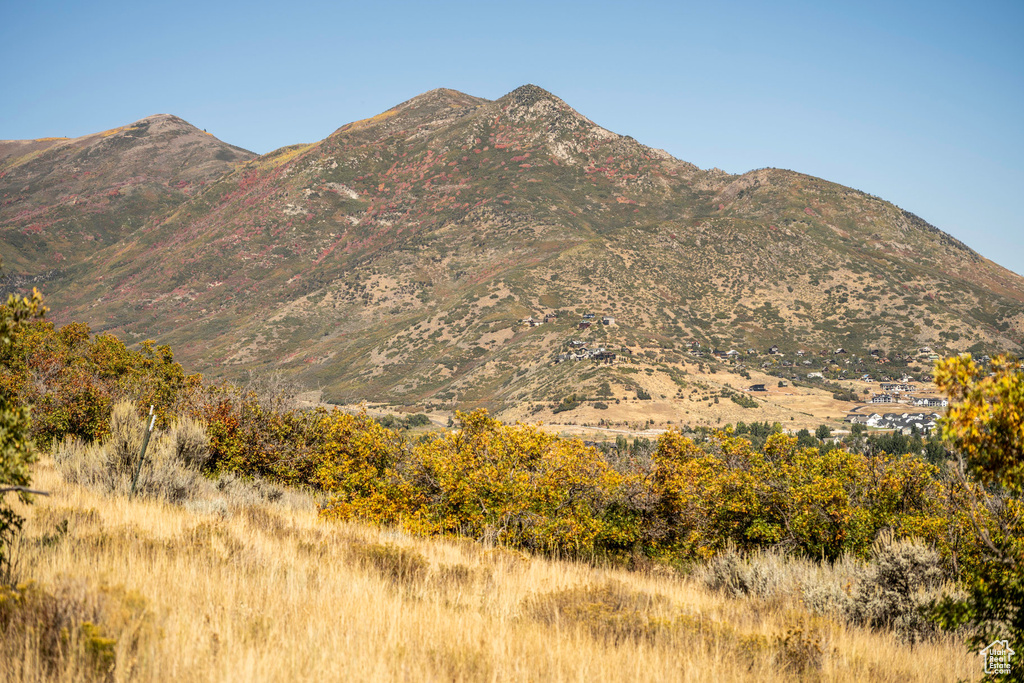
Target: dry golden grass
793,407
272,593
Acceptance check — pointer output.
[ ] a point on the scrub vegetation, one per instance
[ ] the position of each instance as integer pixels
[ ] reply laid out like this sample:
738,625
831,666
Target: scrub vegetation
269,542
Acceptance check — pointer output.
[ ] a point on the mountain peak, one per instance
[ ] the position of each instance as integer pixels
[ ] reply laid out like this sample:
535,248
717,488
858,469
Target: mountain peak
157,161
163,121
155,118
447,96
528,95
436,105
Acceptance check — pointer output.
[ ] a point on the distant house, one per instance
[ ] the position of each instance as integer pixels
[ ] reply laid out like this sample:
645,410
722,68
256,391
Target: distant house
773,350
550,316
604,357
905,423
897,386
815,375
751,352
801,352
588,316
931,402
732,352
757,387
874,420
608,320
584,325
839,350
576,343
881,398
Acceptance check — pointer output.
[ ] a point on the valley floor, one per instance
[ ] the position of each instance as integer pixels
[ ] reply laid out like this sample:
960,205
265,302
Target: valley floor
231,589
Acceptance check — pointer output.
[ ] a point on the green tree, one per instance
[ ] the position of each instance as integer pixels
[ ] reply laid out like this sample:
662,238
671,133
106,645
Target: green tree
805,440
16,450
985,428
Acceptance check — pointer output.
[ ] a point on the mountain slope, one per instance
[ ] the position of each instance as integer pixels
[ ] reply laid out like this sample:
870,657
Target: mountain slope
64,198
395,259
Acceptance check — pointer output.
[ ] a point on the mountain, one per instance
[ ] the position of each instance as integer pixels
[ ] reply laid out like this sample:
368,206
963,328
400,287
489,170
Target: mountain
62,199
396,259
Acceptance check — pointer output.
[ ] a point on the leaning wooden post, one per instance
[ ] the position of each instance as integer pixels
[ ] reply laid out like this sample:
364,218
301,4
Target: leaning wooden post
142,453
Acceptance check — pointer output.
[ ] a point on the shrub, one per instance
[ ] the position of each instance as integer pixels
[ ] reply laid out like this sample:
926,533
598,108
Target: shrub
845,395
800,651
70,627
253,434
398,565
171,468
743,400
519,486
124,440
611,611
821,504
513,485
189,444
570,402
985,426
417,420
728,572
354,461
903,579
17,451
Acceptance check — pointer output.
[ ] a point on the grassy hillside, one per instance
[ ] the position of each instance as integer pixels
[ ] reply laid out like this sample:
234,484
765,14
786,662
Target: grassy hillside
241,547
232,586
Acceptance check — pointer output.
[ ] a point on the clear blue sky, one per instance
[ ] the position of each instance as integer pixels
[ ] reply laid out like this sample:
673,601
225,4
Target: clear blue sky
920,103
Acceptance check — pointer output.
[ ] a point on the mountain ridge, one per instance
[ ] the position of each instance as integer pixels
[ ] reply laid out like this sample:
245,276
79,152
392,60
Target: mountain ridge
58,193
396,258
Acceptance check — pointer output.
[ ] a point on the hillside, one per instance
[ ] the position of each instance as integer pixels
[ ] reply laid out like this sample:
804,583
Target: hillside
65,198
395,261
242,582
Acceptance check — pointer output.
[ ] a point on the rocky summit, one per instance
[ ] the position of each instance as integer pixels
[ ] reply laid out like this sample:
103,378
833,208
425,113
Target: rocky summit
455,251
